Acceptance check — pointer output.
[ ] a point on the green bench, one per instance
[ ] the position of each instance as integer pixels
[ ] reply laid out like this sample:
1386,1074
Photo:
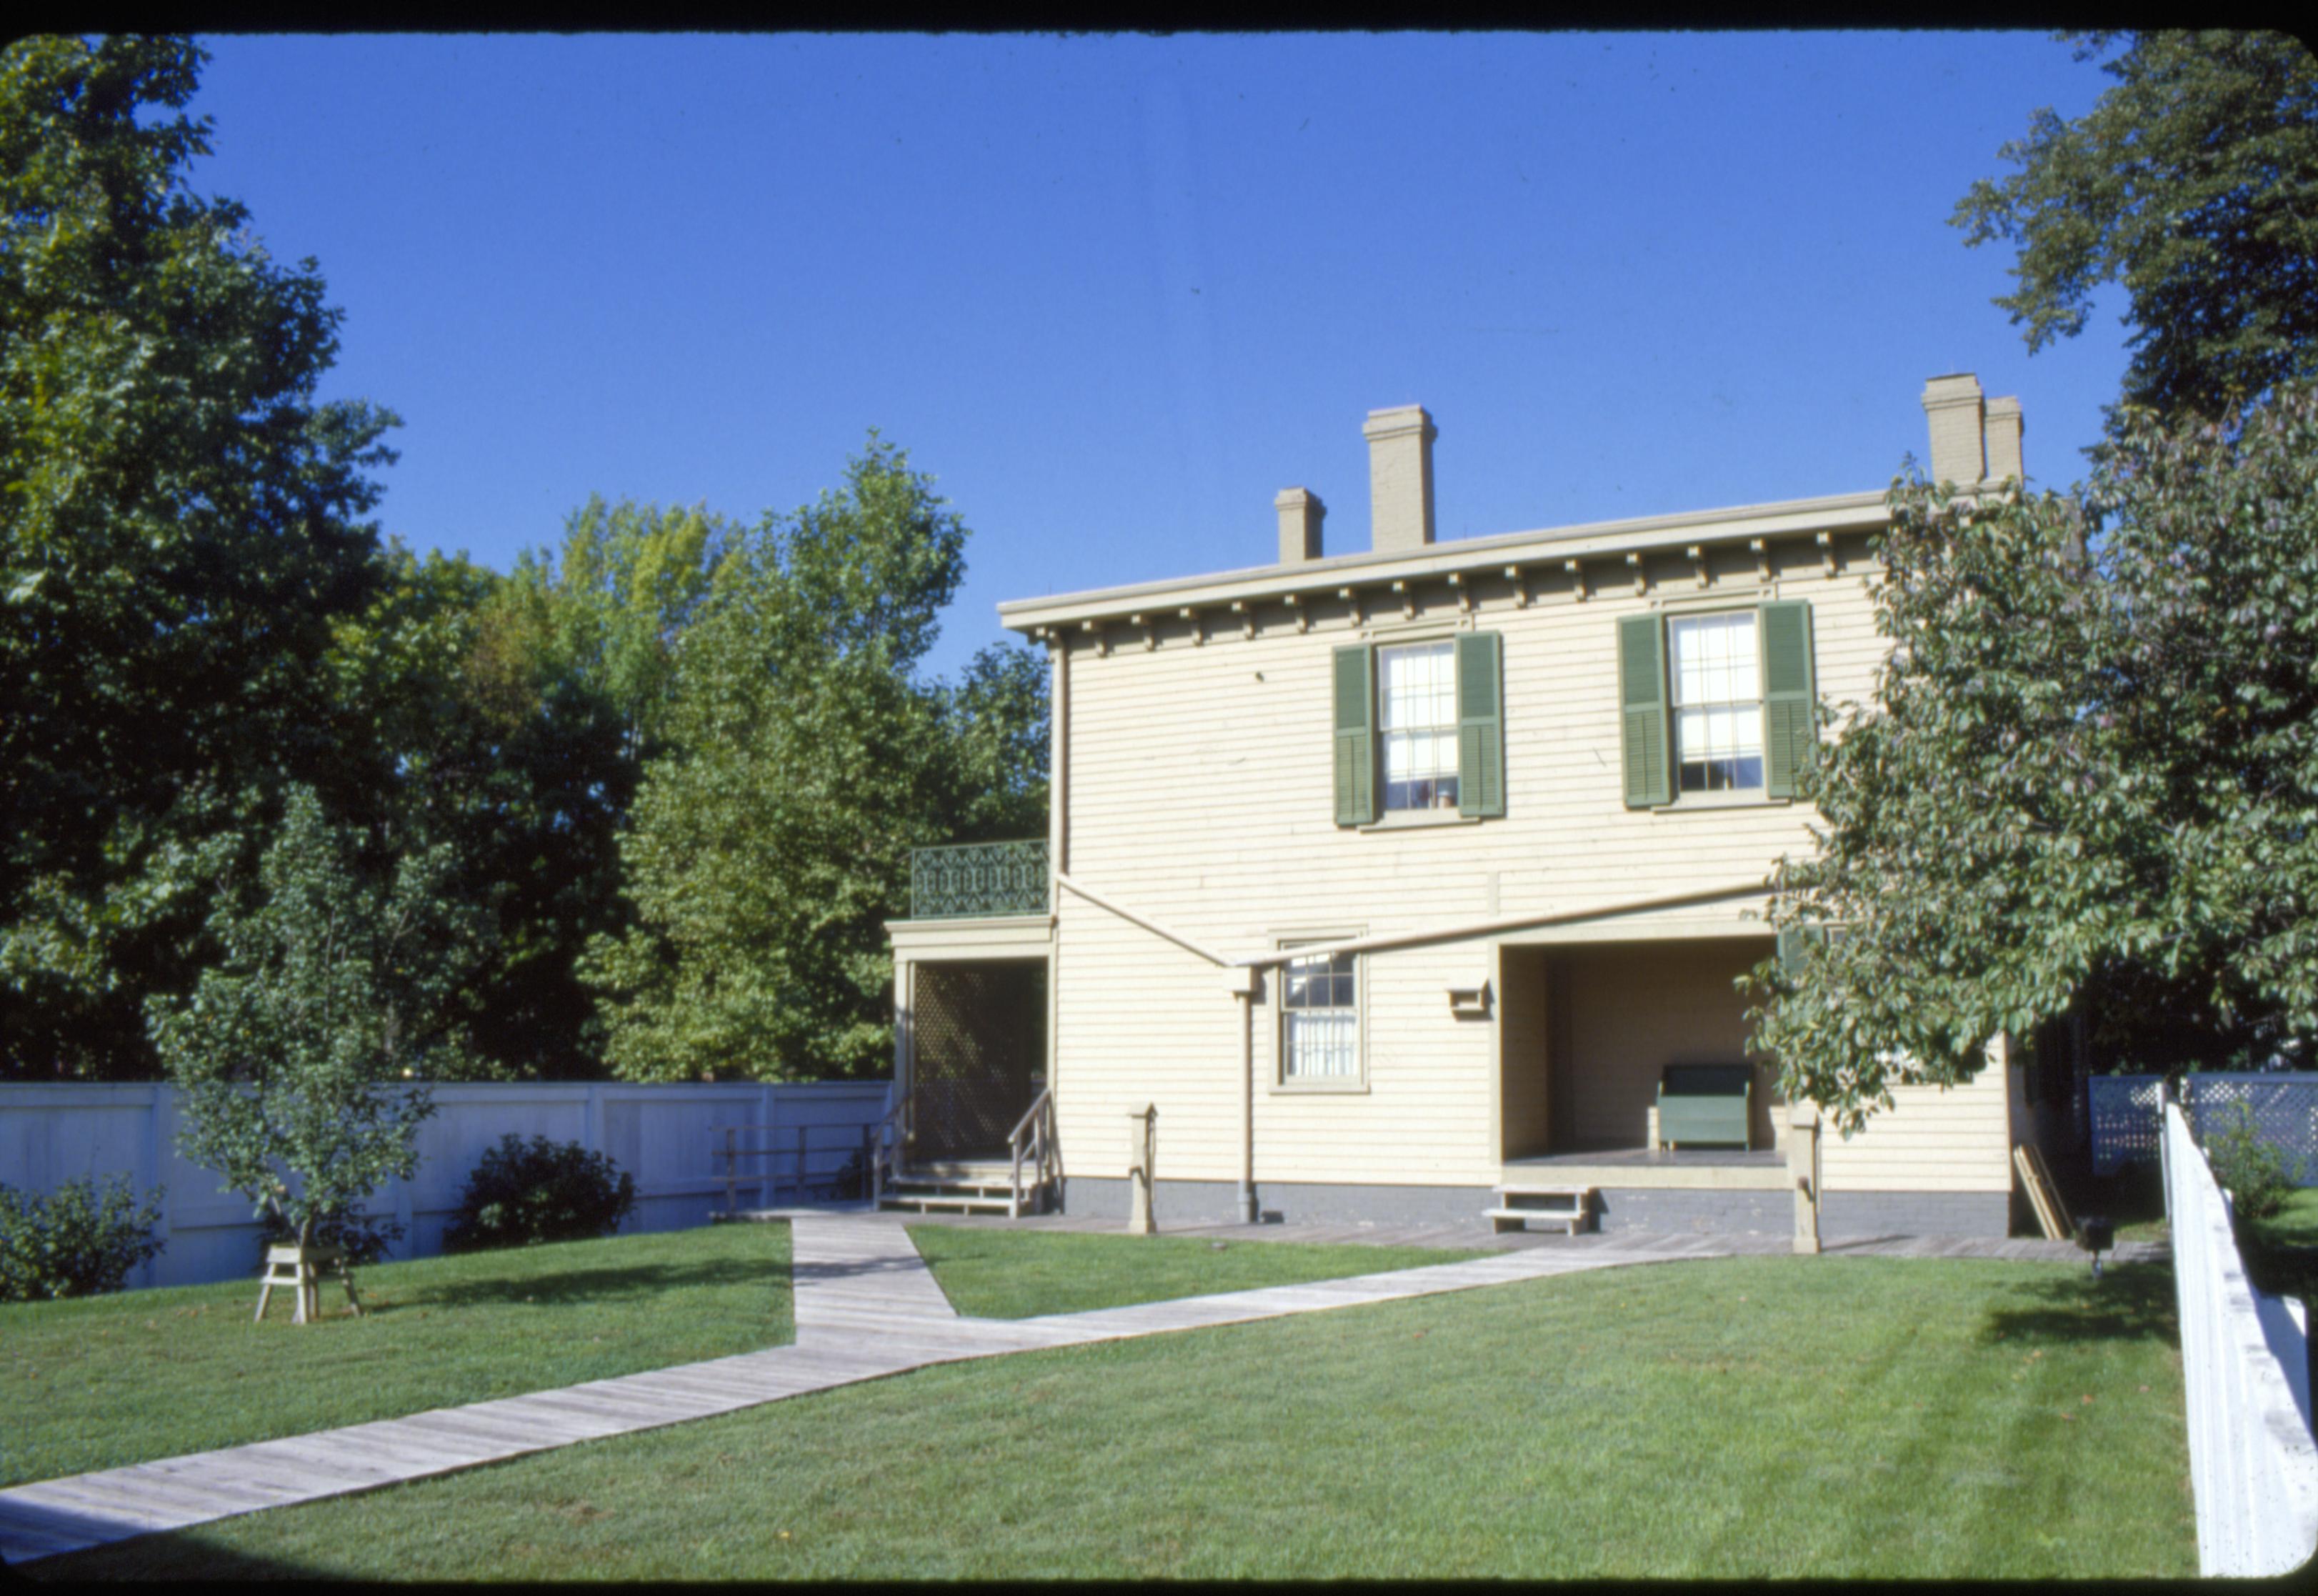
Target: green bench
1705,1102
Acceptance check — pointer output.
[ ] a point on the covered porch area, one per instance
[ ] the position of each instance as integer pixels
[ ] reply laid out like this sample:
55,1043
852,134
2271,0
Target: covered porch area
973,1031
1590,1028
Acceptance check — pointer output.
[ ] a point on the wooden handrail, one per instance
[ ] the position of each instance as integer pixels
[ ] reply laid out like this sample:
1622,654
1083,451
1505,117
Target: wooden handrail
725,1142
1022,1124
1036,1121
884,1149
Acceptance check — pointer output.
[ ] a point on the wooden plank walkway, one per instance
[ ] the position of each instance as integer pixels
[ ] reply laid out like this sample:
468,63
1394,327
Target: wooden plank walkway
866,1307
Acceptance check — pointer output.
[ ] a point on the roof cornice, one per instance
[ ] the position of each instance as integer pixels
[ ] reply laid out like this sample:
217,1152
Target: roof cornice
1548,549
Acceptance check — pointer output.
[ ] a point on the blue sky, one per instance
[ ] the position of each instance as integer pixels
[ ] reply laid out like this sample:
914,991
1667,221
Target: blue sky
1115,293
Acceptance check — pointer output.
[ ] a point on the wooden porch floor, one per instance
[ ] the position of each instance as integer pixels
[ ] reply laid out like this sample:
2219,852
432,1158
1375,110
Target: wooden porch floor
1642,1158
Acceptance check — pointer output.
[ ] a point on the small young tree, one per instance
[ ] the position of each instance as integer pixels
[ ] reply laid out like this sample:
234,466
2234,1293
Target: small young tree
304,1052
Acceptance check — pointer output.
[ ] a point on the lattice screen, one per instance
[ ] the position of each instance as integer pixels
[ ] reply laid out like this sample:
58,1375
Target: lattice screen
2124,1119
2285,1109
978,1036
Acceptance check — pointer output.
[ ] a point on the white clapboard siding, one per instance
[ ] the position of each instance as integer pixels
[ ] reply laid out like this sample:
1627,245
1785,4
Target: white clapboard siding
1956,1139
1201,795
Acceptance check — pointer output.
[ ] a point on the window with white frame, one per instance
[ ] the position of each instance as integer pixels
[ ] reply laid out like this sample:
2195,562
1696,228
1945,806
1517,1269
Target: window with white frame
1417,694
1319,1036
1718,702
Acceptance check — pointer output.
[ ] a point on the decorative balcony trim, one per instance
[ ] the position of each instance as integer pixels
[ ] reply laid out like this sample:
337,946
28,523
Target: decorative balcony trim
979,879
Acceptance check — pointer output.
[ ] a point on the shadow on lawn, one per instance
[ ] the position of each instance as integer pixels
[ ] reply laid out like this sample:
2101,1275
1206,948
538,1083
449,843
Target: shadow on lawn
173,1554
627,1283
2128,1302
2280,1271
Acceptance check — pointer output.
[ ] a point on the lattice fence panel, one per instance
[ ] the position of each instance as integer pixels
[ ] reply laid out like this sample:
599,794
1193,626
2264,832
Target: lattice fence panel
2125,1123
978,1037
2285,1110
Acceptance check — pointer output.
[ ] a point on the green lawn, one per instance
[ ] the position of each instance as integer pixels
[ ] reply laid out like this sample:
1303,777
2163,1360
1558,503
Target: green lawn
96,1382
2132,1199
1728,1419
2294,1225
993,1273
2281,1252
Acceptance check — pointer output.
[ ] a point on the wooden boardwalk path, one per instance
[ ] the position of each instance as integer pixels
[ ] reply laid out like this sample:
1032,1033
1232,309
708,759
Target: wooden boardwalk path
866,1305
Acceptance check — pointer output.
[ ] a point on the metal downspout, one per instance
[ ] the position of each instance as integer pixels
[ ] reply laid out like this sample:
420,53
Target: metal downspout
1247,998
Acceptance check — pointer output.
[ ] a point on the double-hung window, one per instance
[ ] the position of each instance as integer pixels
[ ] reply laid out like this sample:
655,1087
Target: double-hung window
1723,702
1320,1021
1419,726
1416,700
1718,703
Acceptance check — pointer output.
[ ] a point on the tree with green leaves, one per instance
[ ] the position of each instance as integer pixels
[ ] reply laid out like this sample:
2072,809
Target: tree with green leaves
2194,184
996,721
2089,777
608,606
804,761
180,533
304,1053
462,726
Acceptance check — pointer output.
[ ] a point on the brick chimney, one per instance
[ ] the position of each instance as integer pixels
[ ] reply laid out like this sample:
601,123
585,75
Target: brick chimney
1952,404
1400,479
1300,514
2001,433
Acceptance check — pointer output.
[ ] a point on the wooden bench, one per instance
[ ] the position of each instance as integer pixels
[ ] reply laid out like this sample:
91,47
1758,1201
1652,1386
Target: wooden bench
1705,1102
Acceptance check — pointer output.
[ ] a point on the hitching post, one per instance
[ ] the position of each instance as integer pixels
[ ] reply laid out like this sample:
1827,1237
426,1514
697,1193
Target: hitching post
1802,1162
1141,1134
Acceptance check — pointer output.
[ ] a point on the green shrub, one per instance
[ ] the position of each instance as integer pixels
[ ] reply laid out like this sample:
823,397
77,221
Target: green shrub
2255,1174
523,1194
75,1243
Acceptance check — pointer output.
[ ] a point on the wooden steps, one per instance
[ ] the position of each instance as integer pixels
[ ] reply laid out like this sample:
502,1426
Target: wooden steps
1569,1207
930,1193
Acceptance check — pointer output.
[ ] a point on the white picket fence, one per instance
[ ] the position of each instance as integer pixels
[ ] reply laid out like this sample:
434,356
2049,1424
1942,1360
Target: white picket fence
2245,1360
668,1137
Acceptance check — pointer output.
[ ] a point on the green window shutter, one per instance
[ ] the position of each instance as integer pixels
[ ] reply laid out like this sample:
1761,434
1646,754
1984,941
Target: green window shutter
1480,724
1355,723
1642,710
1790,699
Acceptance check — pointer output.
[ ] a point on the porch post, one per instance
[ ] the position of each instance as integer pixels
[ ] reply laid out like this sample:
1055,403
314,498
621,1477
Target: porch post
905,1025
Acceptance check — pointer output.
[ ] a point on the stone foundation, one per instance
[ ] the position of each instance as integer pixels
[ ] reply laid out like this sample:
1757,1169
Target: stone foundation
1845,1216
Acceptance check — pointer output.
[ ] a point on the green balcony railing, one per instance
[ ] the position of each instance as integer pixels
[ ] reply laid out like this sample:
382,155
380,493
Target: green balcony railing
979,879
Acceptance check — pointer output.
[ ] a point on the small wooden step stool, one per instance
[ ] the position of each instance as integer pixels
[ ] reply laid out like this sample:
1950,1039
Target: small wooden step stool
1516,1206
301,1270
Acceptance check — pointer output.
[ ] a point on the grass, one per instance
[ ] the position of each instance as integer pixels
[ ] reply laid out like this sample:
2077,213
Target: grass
97,1382
993,1273
2281,1252
2132,1199
2294,1225
1732,1419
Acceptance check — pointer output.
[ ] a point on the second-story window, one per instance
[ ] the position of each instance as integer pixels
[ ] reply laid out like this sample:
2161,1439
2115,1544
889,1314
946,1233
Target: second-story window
1416,692
1718,702
1419,726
